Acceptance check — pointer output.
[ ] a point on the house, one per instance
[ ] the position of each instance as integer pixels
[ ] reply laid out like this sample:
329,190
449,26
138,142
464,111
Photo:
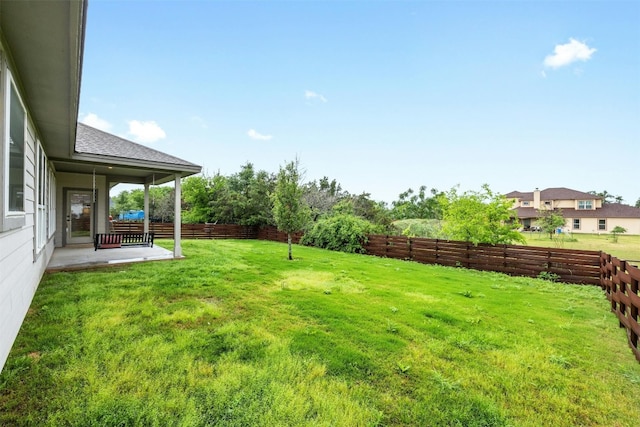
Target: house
583,212
55,173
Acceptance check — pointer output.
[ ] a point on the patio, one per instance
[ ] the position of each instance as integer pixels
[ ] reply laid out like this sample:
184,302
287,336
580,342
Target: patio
80,257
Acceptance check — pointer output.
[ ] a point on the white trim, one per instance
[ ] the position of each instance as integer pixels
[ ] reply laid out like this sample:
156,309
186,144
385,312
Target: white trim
11,219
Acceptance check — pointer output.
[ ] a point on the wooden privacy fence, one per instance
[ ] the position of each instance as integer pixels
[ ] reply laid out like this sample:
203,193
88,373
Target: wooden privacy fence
208,231
572,266
619,279
190,231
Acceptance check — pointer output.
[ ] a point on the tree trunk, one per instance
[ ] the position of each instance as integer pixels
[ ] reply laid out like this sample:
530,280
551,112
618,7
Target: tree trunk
289,241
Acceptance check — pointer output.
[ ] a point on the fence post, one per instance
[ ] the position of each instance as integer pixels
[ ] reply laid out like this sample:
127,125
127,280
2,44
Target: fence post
410,243
622,289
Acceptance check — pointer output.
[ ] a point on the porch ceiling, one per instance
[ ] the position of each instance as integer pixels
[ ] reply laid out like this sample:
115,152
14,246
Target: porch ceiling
118,173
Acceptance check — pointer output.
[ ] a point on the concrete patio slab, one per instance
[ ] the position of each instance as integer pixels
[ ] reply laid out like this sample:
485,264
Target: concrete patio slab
79,257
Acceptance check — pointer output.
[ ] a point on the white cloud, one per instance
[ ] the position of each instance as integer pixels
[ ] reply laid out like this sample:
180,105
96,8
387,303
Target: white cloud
91,119
253,134
309,94
146,132
565,54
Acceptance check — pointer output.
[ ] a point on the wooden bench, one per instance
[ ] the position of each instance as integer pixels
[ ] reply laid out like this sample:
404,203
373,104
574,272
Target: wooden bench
107,241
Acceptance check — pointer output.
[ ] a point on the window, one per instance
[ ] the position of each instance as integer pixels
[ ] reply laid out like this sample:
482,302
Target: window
42,196
12,155
576,224
525,203
16,137
585,204
547,203
51,203
602,224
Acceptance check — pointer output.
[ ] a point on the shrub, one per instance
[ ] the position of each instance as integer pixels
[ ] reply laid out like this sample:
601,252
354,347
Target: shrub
340,232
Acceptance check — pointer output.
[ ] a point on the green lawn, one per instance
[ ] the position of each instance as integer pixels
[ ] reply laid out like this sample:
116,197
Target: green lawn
627,247
237,335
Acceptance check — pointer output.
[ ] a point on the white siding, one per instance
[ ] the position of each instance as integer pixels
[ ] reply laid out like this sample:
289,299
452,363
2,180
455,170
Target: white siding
20,268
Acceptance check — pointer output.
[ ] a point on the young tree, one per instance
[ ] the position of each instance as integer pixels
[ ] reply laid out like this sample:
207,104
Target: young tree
549,220
616,231
290,212
480,217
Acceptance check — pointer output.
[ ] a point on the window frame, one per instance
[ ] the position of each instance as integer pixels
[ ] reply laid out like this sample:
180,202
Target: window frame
602,224
51,206
42,189
585,205
576,223
9,219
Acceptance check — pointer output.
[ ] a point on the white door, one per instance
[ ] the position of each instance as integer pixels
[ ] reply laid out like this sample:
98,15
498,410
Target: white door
79,217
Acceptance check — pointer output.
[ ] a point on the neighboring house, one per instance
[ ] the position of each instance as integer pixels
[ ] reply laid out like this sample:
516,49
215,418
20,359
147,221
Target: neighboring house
55,174
583,212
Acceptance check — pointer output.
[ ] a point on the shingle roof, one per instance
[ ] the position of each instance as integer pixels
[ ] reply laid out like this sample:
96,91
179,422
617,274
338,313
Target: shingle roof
558,193
608,210
562,193
527,213
90,140
519,195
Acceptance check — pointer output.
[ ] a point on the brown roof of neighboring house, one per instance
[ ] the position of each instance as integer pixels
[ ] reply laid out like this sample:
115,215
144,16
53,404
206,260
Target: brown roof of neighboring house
90,140
558,193
608,210
524,213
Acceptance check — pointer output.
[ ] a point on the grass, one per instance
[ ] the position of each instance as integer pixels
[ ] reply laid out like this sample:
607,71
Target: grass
627,247
237,335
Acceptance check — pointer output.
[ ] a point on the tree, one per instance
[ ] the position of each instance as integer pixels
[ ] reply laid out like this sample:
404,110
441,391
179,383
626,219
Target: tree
607,197
417,206
127,201
549,220
196,194
248,196
290,212
616,231
161,203
321,196
479,217
375,212
638,203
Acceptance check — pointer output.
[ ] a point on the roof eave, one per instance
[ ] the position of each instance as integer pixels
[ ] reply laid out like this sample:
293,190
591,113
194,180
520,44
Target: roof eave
46,42
138,164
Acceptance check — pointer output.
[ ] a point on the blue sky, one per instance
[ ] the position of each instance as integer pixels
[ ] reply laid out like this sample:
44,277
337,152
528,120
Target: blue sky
379,95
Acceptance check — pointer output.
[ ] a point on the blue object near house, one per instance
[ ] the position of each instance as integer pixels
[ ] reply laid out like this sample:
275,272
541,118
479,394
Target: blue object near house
131,216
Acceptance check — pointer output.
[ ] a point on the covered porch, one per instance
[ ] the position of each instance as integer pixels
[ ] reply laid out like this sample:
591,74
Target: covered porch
83,182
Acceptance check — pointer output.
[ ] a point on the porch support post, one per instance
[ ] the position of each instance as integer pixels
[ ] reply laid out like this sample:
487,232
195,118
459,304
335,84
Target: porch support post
146,207
177,219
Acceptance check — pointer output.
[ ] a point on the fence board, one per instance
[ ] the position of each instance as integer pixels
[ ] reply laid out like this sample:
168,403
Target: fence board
619,280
